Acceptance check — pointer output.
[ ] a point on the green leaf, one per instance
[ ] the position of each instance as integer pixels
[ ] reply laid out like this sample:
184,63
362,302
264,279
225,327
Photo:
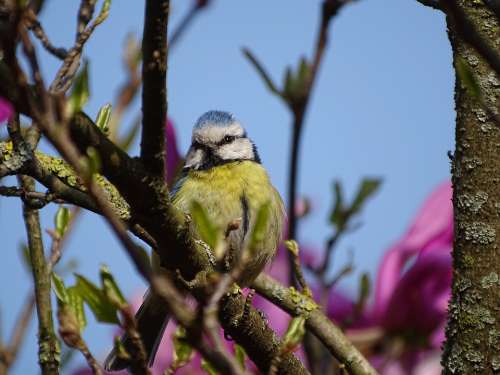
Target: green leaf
80,92
103,14
59,288
105,6
208,232
208,368
367,188
341,214
304,71
111,289
337,214
62,220
294,333
240,355
104,311
103,117
261,71
183,352
260,227
75,301
467,77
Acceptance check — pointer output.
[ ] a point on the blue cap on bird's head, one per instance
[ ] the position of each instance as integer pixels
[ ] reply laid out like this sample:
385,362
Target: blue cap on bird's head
215,118
219,138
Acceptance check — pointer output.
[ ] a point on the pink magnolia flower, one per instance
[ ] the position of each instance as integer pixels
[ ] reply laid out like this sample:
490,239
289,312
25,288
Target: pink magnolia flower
6,110
173,157
411,293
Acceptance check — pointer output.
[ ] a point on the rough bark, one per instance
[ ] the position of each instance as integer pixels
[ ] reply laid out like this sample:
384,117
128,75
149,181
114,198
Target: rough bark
473,333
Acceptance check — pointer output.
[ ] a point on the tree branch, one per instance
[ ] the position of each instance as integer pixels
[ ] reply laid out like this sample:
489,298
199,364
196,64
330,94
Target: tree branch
470,346
332,337
469,33
154,90
48,349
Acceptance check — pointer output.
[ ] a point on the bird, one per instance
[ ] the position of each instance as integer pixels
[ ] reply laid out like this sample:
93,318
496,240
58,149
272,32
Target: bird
223,172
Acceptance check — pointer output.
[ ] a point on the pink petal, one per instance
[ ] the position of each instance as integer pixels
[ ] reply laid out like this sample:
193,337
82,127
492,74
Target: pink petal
432,230
6,110
431,365
173,156
419,302
342,309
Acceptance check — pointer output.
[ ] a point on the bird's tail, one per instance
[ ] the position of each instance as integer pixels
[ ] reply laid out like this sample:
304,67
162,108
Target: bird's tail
152,319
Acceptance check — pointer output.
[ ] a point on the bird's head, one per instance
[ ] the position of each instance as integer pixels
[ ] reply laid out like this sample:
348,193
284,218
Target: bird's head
219,138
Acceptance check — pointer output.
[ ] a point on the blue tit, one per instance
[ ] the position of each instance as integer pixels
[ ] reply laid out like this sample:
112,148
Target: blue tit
223,172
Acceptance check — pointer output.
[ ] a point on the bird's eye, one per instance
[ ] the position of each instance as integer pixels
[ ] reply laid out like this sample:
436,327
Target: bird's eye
228,139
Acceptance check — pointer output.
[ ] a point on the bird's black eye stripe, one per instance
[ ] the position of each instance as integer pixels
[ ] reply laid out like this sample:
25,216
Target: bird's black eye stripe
227,139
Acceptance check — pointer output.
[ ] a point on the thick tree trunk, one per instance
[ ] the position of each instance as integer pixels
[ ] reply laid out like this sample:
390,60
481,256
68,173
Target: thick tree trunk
473,333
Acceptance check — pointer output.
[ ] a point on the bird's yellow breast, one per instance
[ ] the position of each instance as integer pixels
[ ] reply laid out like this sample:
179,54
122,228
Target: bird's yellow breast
232,191
221,190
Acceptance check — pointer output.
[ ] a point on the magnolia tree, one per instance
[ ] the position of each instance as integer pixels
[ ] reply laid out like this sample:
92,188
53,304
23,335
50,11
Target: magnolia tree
293,319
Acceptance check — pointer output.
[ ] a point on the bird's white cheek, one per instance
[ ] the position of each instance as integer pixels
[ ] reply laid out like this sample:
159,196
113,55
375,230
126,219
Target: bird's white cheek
236,150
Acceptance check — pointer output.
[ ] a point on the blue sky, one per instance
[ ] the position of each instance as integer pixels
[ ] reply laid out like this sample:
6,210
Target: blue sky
382,106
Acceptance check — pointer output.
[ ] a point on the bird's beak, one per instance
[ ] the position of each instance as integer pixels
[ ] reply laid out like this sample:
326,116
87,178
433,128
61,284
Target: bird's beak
194,158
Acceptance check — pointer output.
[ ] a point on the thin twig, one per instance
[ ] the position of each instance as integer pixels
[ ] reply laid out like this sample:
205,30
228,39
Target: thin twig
69,330
293,247
29,52
184,24
262,72
139,358
36,198
85,13
64,77
211,326
35,26
330,246
8,354
55,250
329,9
